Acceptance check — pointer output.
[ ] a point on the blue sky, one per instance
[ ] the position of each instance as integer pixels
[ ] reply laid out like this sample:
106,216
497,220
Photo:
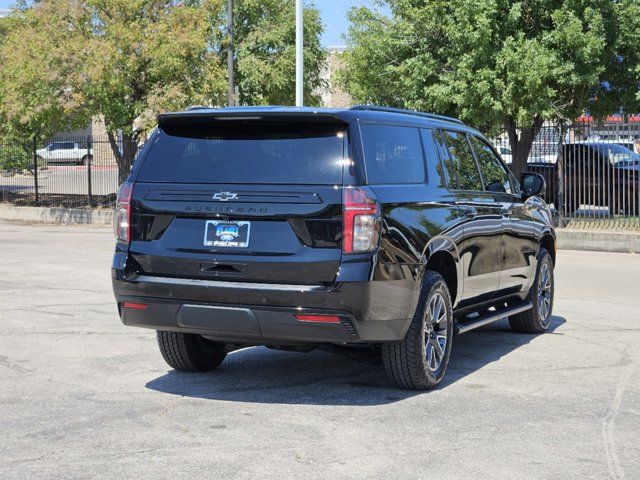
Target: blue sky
334,17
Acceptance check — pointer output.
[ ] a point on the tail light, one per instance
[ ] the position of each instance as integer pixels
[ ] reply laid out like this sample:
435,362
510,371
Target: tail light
360,226
122,216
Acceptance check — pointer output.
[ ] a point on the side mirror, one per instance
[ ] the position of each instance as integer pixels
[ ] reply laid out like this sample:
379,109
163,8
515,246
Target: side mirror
533,184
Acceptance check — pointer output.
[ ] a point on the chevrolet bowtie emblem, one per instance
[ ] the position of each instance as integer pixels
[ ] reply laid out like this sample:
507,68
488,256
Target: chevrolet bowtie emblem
225,196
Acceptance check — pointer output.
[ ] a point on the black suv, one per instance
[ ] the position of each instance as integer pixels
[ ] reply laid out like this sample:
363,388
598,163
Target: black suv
363,230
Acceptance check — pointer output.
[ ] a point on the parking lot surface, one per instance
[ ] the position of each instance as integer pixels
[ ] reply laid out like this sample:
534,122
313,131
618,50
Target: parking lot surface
65,179
81,396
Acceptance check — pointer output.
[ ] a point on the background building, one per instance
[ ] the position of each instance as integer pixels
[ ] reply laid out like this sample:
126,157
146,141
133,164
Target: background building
334,96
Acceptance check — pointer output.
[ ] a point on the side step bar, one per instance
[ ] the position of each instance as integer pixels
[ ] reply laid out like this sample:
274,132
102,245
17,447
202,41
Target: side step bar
490,317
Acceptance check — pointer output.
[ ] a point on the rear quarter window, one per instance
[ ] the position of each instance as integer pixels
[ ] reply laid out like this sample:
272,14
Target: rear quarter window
393,154
460,164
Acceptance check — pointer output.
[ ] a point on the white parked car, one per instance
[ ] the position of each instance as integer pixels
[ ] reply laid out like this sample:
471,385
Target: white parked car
548,158
505,153
65,152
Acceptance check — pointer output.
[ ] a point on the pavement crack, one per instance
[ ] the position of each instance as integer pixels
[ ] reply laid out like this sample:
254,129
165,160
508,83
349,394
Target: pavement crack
5,362
609,426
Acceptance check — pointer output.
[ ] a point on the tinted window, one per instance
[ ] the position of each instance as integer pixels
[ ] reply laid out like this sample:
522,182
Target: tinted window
445,166
461,165
259,153
580,155
392,154
496,178
616,153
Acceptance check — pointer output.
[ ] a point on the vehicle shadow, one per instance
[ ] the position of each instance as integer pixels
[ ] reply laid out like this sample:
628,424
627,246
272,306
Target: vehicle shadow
260,375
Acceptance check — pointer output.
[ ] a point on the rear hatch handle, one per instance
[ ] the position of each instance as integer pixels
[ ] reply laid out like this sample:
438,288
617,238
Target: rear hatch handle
217,269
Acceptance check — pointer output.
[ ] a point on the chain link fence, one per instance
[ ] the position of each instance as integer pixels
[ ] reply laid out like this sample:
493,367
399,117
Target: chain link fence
62,172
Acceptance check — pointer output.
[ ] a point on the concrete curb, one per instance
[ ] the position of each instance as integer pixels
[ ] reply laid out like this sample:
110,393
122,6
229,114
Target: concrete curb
622,242
56,215
568,239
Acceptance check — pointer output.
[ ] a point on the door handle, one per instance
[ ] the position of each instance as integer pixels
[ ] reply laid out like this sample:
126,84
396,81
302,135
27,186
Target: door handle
223,269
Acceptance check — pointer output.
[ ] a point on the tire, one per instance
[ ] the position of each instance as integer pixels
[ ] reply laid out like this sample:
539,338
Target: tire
85,160
406,362
189,352
537,318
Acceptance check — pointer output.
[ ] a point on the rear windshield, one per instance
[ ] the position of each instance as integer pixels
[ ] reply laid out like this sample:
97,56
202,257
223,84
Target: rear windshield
247,153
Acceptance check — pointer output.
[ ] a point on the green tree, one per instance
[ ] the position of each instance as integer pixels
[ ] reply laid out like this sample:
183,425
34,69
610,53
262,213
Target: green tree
143,57
497,63
15,148
38,64
265,52
127,60
65,60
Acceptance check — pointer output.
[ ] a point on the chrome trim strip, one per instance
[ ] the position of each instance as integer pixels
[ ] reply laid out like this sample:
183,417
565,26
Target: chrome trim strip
236,285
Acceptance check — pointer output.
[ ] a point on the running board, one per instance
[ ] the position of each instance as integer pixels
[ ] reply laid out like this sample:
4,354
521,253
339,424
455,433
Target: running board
490,317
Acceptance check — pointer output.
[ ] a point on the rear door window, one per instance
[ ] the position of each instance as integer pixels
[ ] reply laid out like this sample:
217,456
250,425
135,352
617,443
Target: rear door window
461,166
445,166
393,154
247,153
496,177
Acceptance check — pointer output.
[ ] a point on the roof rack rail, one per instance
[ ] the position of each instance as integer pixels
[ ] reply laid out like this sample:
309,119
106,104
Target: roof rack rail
199,107
434,116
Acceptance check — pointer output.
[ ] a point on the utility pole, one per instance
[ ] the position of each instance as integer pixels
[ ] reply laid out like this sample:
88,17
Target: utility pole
231,89
299,55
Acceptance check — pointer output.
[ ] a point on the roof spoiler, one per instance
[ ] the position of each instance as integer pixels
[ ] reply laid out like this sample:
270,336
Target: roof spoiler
203,115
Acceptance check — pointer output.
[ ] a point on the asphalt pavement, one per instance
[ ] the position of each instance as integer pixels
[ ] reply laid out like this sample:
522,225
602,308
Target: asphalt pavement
65,179
82,396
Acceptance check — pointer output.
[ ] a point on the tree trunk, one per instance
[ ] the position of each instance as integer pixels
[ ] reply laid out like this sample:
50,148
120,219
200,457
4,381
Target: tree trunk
124,151
521,141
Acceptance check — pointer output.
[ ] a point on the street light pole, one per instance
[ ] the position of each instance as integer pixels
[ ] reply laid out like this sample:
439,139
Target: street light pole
299,55
231,89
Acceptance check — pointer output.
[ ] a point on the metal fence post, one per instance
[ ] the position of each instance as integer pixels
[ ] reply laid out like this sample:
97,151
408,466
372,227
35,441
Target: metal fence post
35,171
89,161
560,179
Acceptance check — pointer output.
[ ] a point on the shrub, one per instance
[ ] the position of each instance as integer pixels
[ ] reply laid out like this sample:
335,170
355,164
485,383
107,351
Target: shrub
15,155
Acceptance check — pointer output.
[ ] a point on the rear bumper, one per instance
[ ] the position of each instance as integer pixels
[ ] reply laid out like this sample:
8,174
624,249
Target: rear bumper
372,311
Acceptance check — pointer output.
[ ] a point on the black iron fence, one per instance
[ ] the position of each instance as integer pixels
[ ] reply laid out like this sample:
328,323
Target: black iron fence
62,172
592,171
